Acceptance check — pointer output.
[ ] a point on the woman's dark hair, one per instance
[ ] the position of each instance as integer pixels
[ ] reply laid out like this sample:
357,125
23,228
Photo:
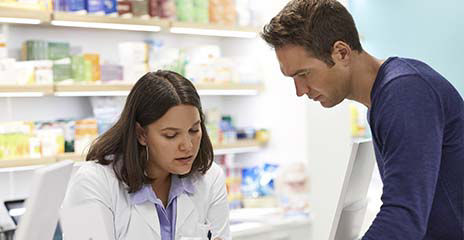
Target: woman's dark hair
315,25
150,98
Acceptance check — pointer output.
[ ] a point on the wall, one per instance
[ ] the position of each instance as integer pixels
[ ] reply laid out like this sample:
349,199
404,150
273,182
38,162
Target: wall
427,30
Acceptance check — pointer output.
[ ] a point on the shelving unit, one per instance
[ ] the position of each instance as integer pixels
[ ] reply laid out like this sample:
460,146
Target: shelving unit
82,90
92,89
25,16
25,90
137,27
213,30
122,89
107,22
230,89
65,19
238,147
246,146
18,162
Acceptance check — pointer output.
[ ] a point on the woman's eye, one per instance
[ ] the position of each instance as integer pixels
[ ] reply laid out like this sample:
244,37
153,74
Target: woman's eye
194,130
171,136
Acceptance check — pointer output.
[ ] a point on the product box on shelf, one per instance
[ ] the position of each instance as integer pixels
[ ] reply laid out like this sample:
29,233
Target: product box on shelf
154,8
140,8
184,10
222,12
51,139
58,50
7,71
34,50
111,72
201,11
62,70
15,139
95,7
124,8
43,72
111,7
75,6
94,59
86,132
168,9
132,53
78,68
24,72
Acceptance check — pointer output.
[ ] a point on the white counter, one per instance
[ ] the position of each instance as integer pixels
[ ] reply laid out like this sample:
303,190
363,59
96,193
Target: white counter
268,224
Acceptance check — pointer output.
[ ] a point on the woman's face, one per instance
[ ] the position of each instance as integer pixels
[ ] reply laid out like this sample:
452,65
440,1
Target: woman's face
173,141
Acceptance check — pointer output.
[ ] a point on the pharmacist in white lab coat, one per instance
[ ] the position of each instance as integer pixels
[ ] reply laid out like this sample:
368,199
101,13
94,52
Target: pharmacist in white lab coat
153,171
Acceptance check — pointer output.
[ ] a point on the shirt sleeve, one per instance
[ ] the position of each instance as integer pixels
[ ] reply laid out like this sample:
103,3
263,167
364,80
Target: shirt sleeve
218,212
408,125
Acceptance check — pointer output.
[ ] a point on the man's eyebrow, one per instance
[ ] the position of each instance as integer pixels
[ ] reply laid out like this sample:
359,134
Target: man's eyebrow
298,72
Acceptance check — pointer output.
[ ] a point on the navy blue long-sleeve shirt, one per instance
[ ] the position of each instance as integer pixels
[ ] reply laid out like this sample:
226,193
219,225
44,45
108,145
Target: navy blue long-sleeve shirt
417,123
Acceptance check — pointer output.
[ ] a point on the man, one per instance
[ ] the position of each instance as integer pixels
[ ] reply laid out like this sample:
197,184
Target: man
416,116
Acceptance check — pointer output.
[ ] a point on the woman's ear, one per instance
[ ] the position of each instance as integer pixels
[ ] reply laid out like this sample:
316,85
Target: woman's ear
141,134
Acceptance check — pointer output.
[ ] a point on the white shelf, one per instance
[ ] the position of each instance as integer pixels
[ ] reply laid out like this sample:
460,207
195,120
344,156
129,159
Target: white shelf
241,146
238,147
25,90
66,19
9,14
92,89
213,30
82,90
21,162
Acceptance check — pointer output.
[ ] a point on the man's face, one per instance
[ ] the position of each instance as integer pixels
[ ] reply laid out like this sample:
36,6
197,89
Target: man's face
313,77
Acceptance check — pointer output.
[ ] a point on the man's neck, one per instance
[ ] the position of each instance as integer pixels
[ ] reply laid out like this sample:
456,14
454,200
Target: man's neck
364,72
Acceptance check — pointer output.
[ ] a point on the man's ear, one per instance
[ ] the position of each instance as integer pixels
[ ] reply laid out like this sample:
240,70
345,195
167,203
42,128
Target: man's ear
341,53
141,134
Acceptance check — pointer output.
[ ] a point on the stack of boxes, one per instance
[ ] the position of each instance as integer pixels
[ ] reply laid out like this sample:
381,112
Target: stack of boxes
133,56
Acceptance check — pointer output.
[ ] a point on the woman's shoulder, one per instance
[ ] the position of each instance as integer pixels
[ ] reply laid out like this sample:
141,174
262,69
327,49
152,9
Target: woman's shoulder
214,175
96,172
94,181
93,168
215,171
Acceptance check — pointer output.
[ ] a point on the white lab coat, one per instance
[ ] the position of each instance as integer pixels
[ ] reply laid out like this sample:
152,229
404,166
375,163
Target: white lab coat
206,209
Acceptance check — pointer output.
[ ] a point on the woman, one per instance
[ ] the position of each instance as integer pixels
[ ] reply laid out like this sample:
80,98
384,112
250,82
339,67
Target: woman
153,171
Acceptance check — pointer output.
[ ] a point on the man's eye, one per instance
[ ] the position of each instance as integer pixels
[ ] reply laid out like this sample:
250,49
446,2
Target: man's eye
304,74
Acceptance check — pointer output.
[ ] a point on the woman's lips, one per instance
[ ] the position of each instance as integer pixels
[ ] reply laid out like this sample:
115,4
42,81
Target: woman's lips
184,159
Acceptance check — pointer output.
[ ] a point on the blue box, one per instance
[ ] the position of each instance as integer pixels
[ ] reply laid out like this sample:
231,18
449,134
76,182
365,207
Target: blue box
75,5
110,6
94,6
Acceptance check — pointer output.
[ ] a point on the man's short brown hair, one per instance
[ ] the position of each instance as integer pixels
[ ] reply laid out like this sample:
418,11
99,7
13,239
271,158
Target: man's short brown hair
315,25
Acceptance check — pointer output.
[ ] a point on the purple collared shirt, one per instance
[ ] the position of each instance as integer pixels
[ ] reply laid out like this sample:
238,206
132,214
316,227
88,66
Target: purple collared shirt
167,216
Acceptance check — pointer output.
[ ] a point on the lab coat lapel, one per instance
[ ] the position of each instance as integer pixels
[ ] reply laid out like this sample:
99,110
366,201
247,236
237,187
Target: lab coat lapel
185,208
149,214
